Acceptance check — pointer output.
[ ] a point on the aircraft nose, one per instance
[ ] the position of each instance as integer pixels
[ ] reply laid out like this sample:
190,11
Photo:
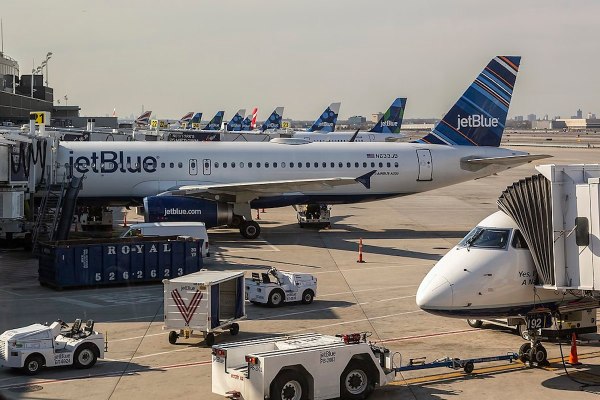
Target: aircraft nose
435,293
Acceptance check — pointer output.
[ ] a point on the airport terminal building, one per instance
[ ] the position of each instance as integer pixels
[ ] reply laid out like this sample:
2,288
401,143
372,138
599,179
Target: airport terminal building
21,94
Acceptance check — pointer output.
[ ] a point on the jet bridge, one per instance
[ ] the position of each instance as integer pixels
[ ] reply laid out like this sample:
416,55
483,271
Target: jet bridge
558,212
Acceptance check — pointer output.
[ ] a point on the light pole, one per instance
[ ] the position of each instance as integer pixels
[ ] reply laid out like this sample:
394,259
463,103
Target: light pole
48,57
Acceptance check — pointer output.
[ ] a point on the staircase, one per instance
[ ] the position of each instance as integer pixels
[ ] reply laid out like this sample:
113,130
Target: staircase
49,212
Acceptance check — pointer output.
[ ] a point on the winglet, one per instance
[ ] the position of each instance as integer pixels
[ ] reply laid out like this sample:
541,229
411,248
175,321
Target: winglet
366,179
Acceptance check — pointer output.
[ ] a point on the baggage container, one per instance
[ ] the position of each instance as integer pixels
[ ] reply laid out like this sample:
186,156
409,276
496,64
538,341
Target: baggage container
93,262
205,301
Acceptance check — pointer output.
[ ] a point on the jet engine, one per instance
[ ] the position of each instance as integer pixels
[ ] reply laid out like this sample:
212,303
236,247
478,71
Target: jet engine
187,209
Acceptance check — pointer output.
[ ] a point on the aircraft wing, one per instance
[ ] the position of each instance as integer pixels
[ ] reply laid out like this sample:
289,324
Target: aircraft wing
255,189
509,160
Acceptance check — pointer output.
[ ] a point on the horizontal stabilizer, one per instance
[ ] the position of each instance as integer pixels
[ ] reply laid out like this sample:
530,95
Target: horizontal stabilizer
509,160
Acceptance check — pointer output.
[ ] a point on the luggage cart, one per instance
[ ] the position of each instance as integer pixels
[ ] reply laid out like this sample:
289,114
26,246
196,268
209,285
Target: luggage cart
205,301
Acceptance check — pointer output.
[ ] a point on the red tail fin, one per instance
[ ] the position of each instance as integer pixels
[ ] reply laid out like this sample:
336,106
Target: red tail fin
254,115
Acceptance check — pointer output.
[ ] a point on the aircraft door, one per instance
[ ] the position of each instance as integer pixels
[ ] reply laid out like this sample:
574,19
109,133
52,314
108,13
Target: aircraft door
193,166
206,166
425,165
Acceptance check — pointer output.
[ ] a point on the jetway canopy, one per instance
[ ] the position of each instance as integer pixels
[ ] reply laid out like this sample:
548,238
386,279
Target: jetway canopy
558,212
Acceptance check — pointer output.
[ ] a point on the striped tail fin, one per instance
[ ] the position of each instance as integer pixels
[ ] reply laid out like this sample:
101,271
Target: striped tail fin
254,115
478,117
391,122
326,122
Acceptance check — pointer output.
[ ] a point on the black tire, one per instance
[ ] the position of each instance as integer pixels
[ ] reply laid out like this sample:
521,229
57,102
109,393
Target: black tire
524,352
173,337
209,340
469,367
276,298
308,296
33,364
85,356
538,355
289,385
250,229
234,329
475,323
356,382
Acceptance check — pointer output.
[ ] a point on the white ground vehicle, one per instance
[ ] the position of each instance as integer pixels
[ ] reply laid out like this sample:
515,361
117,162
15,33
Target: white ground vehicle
286,287
193,229
574,322
305,366
35,346
313,215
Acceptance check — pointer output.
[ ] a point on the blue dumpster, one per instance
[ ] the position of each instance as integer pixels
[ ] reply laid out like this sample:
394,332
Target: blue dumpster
85,263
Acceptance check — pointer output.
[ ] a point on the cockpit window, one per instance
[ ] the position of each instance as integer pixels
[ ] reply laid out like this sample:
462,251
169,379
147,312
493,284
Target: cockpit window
518,241
488,238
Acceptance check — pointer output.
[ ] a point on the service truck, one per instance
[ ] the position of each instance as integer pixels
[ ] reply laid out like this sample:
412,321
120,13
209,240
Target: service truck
33,347
275,287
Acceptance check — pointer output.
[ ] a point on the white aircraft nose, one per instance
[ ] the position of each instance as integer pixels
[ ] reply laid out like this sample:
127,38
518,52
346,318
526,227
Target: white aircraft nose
435,293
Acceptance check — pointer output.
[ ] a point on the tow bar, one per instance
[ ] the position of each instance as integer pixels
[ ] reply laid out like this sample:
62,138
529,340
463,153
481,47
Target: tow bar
467,364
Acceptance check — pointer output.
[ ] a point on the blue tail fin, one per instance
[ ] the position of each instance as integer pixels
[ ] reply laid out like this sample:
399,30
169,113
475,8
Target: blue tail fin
391,122
235,124
274,121
246,124
215,123
478,117
326,122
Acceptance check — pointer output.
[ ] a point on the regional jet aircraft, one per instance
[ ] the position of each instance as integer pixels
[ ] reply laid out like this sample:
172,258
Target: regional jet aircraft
220,182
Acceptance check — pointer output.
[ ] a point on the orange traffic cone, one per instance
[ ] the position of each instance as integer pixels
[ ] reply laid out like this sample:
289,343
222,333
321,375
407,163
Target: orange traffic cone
263,210
257,213
125,219
573,359
360,252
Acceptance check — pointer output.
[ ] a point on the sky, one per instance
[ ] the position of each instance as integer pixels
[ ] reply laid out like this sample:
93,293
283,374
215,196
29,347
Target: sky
176,56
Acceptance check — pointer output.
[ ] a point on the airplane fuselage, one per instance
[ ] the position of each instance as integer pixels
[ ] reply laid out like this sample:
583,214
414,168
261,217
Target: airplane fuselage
133,170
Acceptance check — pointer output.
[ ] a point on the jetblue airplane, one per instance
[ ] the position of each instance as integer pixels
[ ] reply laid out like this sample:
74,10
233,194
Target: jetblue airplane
235,124
274,120
387,128
215,123
220,182
489,274
326,121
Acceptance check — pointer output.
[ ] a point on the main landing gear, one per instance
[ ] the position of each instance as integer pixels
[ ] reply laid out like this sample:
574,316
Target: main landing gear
248,228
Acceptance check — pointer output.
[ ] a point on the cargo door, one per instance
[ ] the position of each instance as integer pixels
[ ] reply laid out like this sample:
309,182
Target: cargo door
193,166
425,165
206,166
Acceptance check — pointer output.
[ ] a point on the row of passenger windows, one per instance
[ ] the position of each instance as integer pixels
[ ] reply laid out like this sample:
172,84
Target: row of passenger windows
283,164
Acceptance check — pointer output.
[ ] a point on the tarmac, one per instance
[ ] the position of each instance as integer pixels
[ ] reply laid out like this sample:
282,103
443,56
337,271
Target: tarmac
402,239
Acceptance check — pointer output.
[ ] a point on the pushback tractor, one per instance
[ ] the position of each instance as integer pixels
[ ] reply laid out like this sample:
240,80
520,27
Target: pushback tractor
313,366
33,347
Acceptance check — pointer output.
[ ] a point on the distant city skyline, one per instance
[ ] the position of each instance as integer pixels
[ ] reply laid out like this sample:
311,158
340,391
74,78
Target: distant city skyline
304,55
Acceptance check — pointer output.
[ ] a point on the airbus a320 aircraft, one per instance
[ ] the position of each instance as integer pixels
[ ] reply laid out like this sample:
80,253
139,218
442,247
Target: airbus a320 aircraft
219,183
